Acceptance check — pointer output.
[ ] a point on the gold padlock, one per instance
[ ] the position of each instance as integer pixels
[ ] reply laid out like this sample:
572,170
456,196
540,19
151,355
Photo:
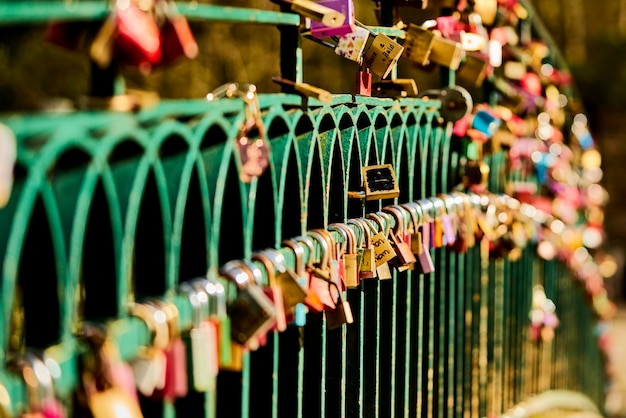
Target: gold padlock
447,52
367,266
418,44
382,55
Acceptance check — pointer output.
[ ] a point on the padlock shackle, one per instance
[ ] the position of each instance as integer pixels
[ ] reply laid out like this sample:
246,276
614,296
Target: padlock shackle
324,257
306,240
298,252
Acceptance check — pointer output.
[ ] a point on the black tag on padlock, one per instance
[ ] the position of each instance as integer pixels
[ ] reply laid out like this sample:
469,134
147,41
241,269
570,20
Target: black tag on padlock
251,313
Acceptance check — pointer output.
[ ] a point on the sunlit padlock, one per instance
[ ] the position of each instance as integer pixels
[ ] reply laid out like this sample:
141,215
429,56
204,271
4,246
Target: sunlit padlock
456,102
346,8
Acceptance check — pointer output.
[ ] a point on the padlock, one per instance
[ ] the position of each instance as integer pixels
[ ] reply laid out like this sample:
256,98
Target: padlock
382,247
202,337
8,156
218,315
130,35
352,45
300,311
149,366
350,256
414,240
456,102
98,390
252,313
323,273
315,10
346,8
447,53
439,211
450,218
424,264
404,256
367,264
382,55
176,378
473,70
41,398
428,222
380,182
293,292
5,403
340,313
176,37
251,145
363,85
399,87
418,44
486,122
312,302
274,292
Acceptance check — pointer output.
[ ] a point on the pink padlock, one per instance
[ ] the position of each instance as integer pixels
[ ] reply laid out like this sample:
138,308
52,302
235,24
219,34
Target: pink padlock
346,7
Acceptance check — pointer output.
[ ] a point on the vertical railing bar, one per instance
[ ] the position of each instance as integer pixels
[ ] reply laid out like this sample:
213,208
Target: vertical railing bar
498,351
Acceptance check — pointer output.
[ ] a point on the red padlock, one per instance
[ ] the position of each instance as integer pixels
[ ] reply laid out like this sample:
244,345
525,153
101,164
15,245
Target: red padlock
138,39
176,39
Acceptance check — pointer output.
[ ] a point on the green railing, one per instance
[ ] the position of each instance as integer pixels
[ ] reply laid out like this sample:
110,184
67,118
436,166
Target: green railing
109,208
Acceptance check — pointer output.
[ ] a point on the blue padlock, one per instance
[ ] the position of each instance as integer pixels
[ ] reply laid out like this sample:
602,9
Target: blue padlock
486,123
